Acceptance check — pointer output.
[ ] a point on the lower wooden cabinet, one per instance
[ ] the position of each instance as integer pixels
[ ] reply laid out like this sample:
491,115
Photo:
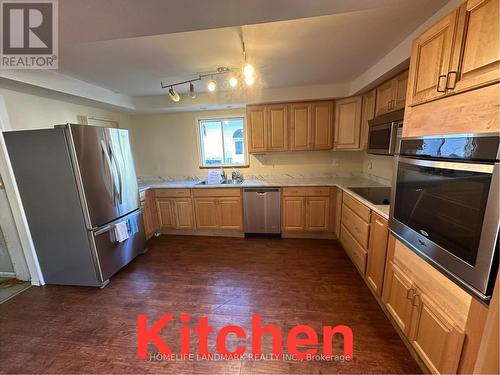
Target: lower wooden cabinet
175,213
306,209
377,251
218,212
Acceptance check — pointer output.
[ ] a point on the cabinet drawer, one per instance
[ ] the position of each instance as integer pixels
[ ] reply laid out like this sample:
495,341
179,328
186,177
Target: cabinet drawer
356,226
311,191
353,249
217,192
161,193
359,208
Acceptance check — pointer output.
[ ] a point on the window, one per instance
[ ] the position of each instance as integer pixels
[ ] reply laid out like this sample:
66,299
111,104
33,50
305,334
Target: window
222,142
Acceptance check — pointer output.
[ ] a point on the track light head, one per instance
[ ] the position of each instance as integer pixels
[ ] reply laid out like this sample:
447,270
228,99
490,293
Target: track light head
192,94
212,85
233,82
173,95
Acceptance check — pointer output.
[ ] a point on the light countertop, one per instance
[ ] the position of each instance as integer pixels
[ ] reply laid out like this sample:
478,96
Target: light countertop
343,183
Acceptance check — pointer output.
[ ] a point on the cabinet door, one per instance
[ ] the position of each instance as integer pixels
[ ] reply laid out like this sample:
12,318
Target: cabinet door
300,126
385,97
377,249
166,216
257,128
322,125
477,62
317,214
338,211
435,336
367,113
400,84
184,217
396,296
146,219
206,213
230,213
294,213
277,123
430,60
347,123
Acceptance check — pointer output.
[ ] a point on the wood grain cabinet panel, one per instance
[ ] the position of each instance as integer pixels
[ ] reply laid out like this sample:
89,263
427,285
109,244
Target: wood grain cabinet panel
435,336
257,129
430,60
300,126
353,249
397,293
206,213
184,215
359,229
317,214
377,250
348,123
165,208
476,53
367,113
322,125
230,213
293,214
385,94
277,123
400,84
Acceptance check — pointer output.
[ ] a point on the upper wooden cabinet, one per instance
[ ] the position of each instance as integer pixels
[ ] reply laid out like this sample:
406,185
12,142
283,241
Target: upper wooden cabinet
477,62
391,95
458,53
300,126
348,123
257,128
277,124
290,126
367,113
322,125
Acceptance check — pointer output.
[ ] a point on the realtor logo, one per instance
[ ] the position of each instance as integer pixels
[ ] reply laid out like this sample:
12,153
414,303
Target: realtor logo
29,34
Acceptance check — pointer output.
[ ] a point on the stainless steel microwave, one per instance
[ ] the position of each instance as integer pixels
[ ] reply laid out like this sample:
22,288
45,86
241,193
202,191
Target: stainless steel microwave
384,133
445,206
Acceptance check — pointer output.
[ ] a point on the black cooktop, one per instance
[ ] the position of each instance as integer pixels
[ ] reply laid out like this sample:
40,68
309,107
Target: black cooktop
375,195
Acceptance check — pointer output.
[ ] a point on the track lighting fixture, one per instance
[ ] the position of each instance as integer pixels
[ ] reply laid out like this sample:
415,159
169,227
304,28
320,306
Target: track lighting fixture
249,80
192,94
233,81
248,70
212,85
173,94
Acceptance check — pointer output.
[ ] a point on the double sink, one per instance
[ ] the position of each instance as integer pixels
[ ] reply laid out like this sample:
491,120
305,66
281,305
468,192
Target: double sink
228,182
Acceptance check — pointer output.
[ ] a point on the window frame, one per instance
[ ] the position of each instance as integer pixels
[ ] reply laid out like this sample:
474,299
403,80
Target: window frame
200,143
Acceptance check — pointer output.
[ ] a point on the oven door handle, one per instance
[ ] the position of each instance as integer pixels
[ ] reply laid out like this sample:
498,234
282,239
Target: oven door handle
469,167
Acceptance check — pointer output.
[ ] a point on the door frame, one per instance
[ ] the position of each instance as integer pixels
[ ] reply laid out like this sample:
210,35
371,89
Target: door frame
25,263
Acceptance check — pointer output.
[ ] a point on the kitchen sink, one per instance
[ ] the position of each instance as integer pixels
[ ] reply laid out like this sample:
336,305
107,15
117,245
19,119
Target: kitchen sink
375,195
229,182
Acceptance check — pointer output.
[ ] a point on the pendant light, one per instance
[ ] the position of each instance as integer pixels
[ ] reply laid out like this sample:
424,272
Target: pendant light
173,95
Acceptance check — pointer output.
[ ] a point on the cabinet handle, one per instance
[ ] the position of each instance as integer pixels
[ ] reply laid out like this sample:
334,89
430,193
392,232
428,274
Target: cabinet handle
410,291
414,300
439,83
454,79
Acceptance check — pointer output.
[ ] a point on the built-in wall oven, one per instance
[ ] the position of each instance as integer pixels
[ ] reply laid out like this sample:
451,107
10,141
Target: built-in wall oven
446,205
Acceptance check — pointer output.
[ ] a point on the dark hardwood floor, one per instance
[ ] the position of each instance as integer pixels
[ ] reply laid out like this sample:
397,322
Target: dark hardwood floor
58,329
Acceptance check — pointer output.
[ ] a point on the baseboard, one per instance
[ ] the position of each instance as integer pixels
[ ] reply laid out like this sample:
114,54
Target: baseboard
310,235
8,274
203,232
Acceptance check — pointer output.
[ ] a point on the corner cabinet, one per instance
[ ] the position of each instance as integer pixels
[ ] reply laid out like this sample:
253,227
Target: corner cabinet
348,123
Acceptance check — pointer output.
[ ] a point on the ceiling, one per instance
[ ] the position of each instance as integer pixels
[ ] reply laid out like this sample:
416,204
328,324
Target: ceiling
131,46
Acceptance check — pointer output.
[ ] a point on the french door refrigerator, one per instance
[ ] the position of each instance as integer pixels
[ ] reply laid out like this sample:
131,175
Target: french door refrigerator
79,191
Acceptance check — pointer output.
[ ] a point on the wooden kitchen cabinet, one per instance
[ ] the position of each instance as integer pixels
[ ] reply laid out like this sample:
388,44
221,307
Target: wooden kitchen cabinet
175,209
183,212
347,125
277,122
430,60
148,210
377,250
300,126
397,294
322,125
391,95
218,209
257,128
434,336
476,53
367,114
306,209
166,207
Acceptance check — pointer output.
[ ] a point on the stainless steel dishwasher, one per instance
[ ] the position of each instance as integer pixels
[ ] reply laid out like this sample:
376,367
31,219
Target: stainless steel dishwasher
262,210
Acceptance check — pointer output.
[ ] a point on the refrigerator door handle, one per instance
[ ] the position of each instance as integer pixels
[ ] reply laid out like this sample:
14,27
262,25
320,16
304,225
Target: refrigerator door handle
106,157
118,172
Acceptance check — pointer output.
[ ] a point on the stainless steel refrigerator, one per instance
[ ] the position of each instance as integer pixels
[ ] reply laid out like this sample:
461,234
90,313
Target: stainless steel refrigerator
77,184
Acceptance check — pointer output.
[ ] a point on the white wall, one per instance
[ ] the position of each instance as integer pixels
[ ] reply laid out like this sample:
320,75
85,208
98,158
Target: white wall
379,165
